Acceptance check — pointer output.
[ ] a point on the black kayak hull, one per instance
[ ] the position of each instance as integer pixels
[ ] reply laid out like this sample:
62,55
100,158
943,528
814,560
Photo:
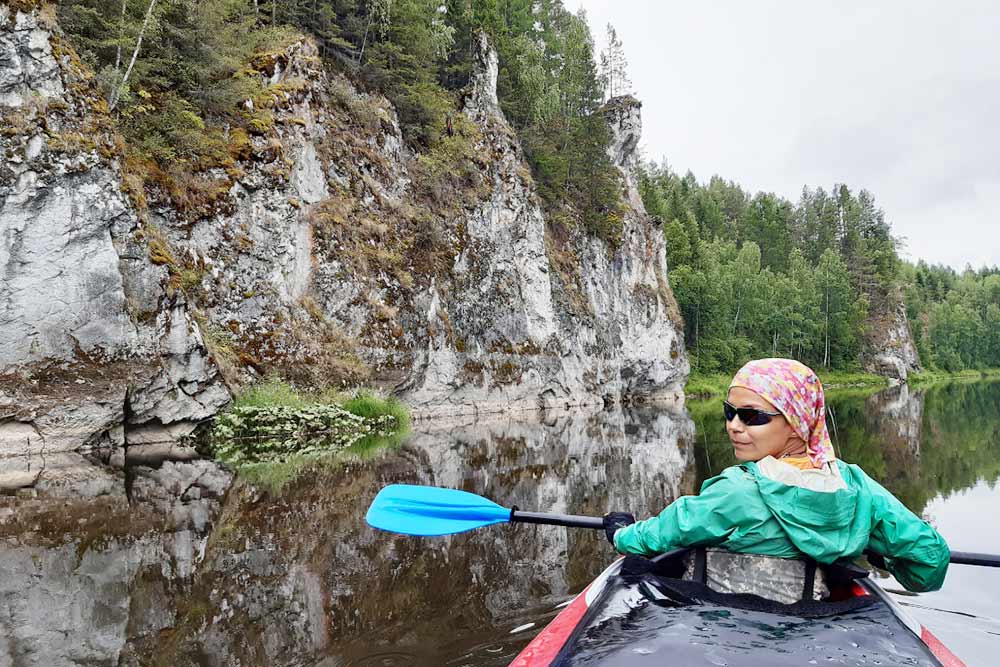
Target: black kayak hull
624,620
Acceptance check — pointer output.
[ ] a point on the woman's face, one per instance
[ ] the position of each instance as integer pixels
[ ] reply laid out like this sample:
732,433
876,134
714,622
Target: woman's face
752,443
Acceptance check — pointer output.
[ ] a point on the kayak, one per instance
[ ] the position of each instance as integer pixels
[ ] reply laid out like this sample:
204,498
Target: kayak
659,612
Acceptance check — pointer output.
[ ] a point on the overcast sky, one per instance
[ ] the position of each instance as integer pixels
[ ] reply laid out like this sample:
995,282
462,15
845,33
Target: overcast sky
902,99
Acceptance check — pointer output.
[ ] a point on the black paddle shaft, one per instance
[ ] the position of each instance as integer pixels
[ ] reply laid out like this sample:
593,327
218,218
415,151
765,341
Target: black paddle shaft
970,558
570,520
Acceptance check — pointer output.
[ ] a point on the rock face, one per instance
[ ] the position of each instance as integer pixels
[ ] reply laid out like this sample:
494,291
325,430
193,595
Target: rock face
332,253
95,342
889,347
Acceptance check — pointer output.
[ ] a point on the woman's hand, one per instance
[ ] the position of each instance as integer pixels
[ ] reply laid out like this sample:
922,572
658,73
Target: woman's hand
615,520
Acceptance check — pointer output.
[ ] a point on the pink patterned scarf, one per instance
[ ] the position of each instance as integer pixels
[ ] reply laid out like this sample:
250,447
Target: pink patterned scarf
795,390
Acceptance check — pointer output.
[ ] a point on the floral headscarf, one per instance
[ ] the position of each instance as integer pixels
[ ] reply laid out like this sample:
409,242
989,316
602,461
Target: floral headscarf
793,388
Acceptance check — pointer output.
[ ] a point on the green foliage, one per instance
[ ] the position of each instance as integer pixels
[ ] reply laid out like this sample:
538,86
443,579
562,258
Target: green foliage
955,317
272,423
703,385
927,377
758,276
562,126
198,83
273,433
373,408
272,393
179,95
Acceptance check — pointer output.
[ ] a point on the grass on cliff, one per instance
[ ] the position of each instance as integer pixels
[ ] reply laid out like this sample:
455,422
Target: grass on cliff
275,412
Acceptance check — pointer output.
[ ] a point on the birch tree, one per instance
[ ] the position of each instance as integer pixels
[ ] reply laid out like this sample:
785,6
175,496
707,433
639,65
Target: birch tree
116,95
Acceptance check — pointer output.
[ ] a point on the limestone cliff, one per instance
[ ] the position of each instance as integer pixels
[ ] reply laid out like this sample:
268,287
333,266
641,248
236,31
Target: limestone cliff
98,351
888,347
328,252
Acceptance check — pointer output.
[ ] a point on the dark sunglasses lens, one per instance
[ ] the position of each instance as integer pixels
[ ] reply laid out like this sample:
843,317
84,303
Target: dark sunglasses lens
752,417
749,416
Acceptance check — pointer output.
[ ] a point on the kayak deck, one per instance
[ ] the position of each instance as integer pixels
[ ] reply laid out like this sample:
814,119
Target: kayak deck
635,613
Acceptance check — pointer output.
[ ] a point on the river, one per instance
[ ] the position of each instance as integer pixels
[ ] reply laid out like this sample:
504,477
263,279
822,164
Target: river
294,576
476,599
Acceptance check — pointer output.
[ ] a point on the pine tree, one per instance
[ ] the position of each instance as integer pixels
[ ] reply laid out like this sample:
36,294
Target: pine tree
614,67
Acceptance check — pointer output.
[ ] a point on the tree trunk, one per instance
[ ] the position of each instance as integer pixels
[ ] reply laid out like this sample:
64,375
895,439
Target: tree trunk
826,344
135,54
364,41
121,36
697,327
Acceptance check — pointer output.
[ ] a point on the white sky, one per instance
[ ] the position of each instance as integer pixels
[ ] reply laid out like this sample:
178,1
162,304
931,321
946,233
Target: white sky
902,99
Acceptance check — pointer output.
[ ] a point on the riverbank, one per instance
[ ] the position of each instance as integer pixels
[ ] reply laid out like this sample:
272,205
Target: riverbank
933,376
716,384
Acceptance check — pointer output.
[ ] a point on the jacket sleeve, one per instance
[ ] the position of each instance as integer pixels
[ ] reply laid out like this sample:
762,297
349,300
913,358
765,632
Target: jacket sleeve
914,552
708,518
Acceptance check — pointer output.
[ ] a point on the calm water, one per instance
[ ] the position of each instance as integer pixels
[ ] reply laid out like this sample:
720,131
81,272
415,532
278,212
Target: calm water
478,598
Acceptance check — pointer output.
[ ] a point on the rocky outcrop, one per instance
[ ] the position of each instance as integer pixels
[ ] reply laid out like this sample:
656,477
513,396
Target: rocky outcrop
889,349
331,254
96,342
513,330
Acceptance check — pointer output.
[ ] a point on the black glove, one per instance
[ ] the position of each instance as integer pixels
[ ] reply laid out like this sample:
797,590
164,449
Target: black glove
615,520
877,560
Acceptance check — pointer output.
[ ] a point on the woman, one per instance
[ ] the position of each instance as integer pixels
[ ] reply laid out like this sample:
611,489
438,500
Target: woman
789,496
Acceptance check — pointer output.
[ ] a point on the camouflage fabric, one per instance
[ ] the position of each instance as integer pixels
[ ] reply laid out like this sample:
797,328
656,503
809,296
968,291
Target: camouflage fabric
778,579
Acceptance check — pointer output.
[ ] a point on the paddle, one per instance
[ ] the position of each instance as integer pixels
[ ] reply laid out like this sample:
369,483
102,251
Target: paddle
431,510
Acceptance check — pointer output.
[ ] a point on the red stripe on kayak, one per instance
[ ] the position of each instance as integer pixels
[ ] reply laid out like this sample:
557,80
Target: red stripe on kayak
544,648
940,651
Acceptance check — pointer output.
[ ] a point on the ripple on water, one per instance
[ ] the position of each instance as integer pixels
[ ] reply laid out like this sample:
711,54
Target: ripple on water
386,659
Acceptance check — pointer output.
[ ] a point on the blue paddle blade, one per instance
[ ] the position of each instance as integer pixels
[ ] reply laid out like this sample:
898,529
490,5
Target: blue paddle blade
430,510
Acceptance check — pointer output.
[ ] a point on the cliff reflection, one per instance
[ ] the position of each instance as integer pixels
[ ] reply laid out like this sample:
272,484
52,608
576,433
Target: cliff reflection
299,578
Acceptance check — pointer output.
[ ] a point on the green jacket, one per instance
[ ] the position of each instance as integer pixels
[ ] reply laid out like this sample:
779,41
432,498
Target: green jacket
744,511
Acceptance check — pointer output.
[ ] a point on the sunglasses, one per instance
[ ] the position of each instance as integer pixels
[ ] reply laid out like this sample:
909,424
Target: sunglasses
749,416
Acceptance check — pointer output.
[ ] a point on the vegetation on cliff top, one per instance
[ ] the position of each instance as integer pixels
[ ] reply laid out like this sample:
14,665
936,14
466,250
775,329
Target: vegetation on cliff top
188,82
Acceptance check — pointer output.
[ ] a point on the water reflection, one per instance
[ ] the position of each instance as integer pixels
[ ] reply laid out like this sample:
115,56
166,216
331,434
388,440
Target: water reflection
298,578
335,592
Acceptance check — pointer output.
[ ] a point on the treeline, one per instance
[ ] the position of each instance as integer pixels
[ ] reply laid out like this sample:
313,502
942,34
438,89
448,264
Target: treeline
762,276
955,317
177,73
